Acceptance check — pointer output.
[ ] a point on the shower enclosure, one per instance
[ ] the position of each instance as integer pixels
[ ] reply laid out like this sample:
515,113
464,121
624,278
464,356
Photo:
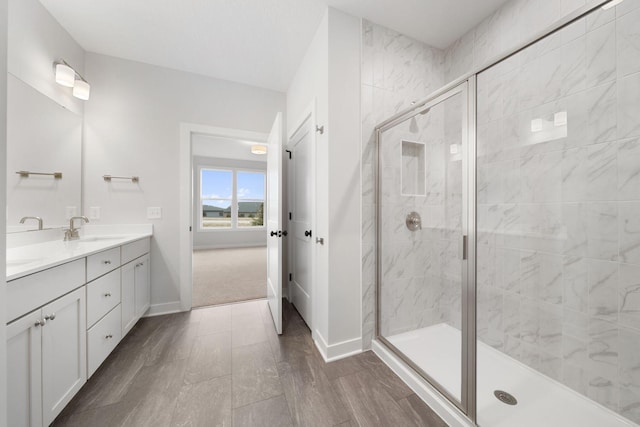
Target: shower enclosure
508,231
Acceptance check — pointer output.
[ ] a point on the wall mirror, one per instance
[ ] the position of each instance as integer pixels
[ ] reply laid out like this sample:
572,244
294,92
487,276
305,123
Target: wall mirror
42,138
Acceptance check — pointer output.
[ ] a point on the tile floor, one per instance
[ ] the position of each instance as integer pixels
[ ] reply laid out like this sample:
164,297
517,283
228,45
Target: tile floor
225,366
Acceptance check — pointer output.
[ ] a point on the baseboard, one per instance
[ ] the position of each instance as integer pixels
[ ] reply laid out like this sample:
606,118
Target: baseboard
164,308
339,350
229,246
445,409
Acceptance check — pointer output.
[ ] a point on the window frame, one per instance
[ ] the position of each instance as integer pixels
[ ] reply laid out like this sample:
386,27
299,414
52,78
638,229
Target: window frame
234,200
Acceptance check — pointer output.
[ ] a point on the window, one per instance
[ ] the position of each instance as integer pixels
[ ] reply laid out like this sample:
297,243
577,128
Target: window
231,199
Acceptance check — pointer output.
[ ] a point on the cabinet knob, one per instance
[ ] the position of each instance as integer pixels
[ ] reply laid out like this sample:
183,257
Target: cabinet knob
106,262
109,337
51,316
107,295
39,323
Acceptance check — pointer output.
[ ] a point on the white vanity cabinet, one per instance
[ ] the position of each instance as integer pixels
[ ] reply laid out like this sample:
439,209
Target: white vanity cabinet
103,316
136,286
65,319
46,356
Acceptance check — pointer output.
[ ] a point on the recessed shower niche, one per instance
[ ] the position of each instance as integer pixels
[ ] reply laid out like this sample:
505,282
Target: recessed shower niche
413,169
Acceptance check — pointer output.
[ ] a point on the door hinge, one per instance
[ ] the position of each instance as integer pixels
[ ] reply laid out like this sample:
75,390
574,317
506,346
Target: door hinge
289,216
289,152
189,228
290,277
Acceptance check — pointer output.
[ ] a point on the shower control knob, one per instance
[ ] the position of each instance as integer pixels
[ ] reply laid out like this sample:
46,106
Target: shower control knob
413,221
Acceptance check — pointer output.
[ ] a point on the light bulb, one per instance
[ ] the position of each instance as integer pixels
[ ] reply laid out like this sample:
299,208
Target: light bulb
65,75
81,90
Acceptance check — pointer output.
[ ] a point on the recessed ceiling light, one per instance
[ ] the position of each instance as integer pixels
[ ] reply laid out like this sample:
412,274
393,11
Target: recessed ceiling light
259,149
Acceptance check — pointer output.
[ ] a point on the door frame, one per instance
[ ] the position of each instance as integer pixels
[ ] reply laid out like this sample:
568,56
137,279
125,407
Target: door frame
466,406
308,115
185,262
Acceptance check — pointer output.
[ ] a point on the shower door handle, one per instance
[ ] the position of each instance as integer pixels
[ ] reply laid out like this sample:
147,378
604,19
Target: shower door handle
465,241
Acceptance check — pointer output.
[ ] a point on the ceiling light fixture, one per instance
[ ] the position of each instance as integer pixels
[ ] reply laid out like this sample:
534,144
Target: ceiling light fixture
259,149
68,77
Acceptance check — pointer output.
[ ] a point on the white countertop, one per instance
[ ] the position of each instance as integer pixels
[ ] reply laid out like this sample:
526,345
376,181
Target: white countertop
26,259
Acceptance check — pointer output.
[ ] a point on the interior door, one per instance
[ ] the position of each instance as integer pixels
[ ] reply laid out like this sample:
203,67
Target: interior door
275,233
300,202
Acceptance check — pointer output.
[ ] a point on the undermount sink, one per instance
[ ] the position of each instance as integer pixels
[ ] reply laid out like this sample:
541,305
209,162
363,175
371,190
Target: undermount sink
21,261
100,238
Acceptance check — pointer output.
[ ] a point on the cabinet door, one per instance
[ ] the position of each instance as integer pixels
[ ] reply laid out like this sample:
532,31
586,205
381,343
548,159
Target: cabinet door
143,286
24,371
128,296
64,352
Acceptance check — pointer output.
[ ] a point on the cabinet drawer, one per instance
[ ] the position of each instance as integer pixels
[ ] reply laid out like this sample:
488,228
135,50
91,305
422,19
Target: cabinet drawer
102,338
133,250
102,262
102,295
30,292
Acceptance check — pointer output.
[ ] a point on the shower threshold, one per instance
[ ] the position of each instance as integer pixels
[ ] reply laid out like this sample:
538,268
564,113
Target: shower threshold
541,401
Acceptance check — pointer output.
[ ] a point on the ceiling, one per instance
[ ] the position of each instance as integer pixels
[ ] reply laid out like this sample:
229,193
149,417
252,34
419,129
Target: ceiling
256,42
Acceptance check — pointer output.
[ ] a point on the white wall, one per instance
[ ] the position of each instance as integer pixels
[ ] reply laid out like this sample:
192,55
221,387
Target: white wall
311,85
223,238
329,75
132,128
344,178
3,267
36,40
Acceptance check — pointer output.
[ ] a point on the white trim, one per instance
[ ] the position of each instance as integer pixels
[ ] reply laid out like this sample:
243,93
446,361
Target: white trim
337,351
445,409
228,246
309,114
164,308
186,198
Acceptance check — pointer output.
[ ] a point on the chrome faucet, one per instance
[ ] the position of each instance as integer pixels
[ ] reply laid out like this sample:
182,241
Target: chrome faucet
37,218
72,233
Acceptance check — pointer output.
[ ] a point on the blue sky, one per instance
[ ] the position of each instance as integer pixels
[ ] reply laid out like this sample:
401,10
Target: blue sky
218,184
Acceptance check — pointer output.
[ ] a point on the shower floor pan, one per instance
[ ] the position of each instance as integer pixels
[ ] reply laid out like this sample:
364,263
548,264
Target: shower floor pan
541,400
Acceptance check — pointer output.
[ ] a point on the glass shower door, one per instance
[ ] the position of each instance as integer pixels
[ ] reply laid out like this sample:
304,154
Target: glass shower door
422,218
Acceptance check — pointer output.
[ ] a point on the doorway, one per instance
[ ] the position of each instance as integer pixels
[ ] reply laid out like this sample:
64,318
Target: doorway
301,196
229,234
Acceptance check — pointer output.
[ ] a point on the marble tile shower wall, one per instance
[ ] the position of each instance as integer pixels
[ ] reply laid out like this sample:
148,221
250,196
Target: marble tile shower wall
420,268
515,22
396,70
559,207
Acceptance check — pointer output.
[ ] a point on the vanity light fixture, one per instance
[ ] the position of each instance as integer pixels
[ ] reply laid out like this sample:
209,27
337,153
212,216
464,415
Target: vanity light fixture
67,76
81,90
259,149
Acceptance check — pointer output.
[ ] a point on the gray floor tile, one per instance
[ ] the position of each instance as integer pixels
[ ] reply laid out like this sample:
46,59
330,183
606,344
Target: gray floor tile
370,404
247,336
254,374
314,403
207,403
266,413
214,319
210,358
153,394
202,370
421,414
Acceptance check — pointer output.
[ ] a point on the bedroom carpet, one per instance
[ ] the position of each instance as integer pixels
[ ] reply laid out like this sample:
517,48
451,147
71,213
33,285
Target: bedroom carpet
222,276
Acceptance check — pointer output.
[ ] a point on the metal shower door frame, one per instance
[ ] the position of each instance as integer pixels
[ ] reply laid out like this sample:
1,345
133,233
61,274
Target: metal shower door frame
467,89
